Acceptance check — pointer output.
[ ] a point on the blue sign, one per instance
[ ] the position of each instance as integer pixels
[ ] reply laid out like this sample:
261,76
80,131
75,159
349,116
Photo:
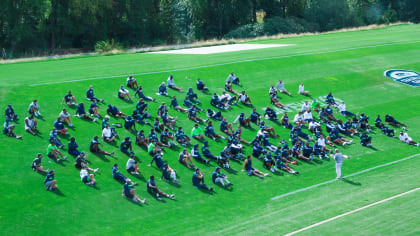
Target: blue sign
407,77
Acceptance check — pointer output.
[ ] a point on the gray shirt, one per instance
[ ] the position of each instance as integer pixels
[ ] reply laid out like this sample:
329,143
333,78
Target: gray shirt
338,158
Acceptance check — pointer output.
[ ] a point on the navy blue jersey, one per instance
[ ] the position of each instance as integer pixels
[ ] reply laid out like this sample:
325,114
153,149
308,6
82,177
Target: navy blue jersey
59,125
49,177
89,93
195,179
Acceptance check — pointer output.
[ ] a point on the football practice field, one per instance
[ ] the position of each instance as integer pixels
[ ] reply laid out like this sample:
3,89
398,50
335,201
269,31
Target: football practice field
379,194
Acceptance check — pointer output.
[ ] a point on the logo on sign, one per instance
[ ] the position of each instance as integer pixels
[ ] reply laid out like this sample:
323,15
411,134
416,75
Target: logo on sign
407,77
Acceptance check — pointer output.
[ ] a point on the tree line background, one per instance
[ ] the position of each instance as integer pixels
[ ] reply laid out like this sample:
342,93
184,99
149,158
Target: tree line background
39,27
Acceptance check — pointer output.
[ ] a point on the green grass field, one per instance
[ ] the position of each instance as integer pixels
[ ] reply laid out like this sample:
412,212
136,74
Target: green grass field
350,64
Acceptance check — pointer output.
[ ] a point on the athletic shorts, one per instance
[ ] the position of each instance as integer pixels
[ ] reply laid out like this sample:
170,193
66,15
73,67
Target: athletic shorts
131,169
250,172
129,195
85,179
50,154
49,183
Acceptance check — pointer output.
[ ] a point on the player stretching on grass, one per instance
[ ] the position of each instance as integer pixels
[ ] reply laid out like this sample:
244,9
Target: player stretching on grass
36,164
280,87
154,190
407,139
131,193
94,147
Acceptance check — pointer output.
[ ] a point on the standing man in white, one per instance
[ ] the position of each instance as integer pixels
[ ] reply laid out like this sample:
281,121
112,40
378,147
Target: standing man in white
338,157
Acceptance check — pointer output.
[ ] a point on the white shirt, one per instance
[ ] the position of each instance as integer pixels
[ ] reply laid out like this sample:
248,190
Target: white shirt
280,86
106,132
342,107
313,124
30,123
272,90
171,82
231,78
321,142
405,138
301,88
297,118
305,107
83,173
130,163
124,91
242,97
64,115
307,116
226,95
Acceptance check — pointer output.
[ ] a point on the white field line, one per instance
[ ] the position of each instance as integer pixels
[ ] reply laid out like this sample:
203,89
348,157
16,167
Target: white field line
351,212
228,63
311,187
350,175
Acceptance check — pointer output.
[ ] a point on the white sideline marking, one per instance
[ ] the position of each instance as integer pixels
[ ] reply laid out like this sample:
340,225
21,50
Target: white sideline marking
226,63
311,187
222,48
351,212
350,175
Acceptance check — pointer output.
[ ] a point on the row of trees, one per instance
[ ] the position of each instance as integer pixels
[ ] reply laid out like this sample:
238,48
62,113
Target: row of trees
49,26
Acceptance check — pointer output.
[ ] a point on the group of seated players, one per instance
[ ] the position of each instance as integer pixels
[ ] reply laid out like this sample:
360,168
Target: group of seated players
273,157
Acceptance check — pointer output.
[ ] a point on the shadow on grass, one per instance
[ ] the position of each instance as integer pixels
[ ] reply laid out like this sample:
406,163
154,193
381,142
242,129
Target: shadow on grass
101,156
231,171
203,190
58,192
350,182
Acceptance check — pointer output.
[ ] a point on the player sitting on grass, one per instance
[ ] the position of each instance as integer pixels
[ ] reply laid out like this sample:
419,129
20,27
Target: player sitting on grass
302,90
329,113
131,82
94,109
343,110
336,138
218,177
392,121
307,116
59,125
255,117
181,137
108,135
316,106
282,166
50,182
206,151
131,166
233,79
54,138
171,84
33,108
162,89
124,94
209,131
285,121
225,127
192,96
307,151
65,117
201,85
195,153
197,132
365,140
329,99
168,174
244,99
154,190
94,147
319,150
227,99
242,120
281,88
118,176
72,147
215,115
141,139
131,193
69,99
81,113
115,112
157,158
269,163
407,139
81,161
250,170
8,130
192,115
126,147
31,125
265,128
10,113
167,138
275,101
272,90
168,120
364,122
228,88
305,106
140,93
174,104
198,180
90,95
53,152
215,101
37,165
184,158
87,178
297,151
130,124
